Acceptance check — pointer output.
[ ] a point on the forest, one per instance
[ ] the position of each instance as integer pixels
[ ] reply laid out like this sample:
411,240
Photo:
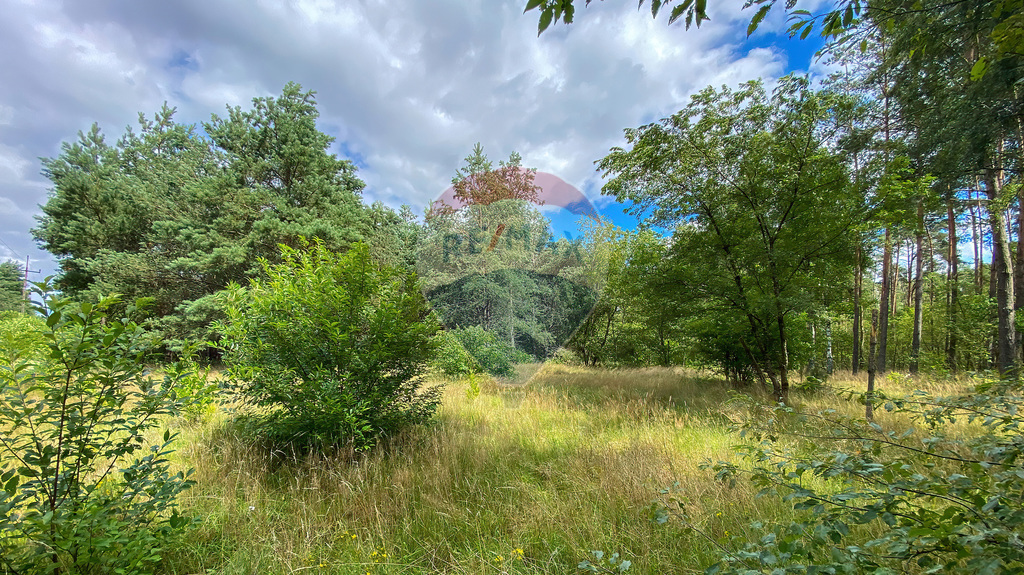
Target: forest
795,236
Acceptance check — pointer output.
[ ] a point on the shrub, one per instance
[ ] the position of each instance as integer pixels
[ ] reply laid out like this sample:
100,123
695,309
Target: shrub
332,346
565,356
83,488
450,358
494,356
193,385
897,500
22,333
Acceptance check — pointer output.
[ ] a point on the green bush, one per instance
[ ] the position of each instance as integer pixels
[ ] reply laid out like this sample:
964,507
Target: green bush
193,385
450,358
565,356
931,500
494,356
84,490
332,347
22,333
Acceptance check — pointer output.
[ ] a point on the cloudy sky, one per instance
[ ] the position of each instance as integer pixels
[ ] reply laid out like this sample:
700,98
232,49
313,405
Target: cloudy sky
405,86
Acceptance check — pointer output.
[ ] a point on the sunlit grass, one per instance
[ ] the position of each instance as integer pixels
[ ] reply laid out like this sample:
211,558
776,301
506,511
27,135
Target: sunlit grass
520,479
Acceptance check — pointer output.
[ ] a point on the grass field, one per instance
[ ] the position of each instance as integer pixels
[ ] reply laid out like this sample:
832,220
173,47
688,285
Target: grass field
516,479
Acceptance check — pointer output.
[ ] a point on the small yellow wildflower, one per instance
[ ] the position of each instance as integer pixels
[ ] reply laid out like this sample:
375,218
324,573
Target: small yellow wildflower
497,559
518,553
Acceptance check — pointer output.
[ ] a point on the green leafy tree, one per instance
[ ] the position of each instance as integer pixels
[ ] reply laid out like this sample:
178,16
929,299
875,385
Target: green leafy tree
84,490
636,320
493,262
172,214
999,22
761,203
332,347
530,311
10,286
451,358
491,354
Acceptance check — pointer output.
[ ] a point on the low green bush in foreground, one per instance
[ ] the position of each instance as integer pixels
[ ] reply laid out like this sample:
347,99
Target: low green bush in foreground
84,488
943,497
332,347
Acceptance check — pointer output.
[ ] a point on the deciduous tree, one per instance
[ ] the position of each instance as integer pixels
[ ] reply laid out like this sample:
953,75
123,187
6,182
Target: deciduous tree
761,203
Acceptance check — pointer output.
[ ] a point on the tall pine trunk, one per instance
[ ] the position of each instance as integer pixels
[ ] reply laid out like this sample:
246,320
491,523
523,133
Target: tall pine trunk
1002,268
1018,265
883,315
953,286
858,278
915,342
869,398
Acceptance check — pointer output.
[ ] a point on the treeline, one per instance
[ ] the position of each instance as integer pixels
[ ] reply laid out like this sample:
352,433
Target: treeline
176,214
798,214
795,217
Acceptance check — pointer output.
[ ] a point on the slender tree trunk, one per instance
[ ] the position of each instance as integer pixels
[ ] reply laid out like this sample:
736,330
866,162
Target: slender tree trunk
993,281
511,316
783,360
869,397
811,367
759,372
1018,264
858,278
1003,270
953,286
830,364
883,320
912,254
915,343
894,291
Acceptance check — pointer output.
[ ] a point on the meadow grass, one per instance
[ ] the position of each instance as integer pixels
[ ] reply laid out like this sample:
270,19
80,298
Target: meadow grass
518,479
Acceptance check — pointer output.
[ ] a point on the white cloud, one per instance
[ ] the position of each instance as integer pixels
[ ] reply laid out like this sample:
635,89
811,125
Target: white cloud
8,207
12,165
407,85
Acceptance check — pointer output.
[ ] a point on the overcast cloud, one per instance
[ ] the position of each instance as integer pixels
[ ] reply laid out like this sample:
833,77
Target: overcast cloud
406,86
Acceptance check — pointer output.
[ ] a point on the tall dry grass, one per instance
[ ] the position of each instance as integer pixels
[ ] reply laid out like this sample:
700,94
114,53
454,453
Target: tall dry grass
520,479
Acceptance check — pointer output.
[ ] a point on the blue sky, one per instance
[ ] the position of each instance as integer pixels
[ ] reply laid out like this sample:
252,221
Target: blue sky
405,86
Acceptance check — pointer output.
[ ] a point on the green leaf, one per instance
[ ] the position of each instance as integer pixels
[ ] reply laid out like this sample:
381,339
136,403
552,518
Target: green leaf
677,11
758,17
12,486
545,20
531,4
979,69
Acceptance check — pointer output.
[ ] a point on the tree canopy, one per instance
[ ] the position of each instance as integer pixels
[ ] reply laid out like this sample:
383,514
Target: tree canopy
176,214
10,286
762,205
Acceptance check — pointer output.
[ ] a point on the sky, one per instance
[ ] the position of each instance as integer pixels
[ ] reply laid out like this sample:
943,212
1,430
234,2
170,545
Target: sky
406,87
